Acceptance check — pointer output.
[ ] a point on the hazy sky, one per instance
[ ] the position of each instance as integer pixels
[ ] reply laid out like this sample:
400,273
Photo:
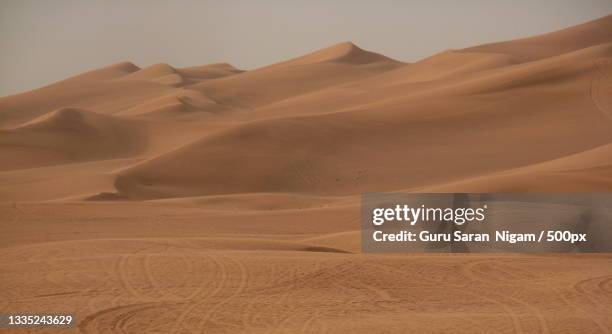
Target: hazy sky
45,41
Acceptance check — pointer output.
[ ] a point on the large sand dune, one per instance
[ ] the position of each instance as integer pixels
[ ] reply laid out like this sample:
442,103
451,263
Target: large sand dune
212,199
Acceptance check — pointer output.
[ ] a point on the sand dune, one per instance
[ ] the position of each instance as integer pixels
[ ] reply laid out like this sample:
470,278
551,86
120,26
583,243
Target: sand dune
345,52
588,171
325,68
212,71
160,73
524,104
102,97
456,73
178,104
110,72
70,135
553,44
211,199
73,181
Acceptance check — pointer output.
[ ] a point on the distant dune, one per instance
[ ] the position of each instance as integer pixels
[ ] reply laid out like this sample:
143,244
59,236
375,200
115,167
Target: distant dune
70,135
338,121
212,199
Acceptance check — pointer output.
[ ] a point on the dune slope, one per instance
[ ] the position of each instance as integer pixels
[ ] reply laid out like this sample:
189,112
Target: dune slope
70,135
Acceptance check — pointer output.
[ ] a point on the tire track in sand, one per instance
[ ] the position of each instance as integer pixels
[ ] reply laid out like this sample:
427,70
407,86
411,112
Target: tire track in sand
239,289
585,288
87,325
203,294
604,329
469,272
514,318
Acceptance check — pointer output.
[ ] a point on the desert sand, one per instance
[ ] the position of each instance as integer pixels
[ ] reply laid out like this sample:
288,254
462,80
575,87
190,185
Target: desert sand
215,200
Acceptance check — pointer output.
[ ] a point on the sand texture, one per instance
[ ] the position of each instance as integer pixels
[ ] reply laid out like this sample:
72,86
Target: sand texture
210,199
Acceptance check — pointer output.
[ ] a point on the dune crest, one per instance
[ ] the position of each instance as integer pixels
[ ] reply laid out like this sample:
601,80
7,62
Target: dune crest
159,73
211,71
110,72
345,52
555,43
